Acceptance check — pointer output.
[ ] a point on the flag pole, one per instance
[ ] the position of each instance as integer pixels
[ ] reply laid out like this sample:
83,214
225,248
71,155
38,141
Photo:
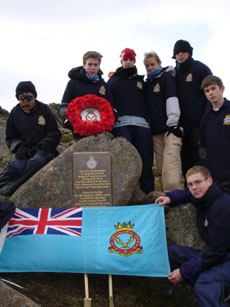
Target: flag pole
110,291
87,300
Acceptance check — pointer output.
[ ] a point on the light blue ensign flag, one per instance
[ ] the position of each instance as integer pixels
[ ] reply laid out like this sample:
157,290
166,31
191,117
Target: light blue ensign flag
129,240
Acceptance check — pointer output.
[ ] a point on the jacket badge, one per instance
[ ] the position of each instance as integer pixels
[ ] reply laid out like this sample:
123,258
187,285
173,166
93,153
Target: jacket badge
41,120
139,85
189,78
125,241
102,90
156,88
227,120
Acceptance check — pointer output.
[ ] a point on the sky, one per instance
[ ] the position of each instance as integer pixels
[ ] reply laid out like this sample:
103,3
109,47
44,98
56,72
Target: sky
41,40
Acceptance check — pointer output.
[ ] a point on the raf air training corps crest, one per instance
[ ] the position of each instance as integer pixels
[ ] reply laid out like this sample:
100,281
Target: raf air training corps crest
227,120
139,85
41,120
90,115
125,241
91,163
102,90
189,78
156,88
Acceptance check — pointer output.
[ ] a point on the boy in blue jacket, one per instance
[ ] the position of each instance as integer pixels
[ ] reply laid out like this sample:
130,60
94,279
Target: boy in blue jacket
207,270
215,132
164,111
189,76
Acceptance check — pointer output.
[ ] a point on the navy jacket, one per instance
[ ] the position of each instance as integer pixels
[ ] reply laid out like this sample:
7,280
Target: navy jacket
126,93
215,139
80,85
213,214
31,128
157,91
189,76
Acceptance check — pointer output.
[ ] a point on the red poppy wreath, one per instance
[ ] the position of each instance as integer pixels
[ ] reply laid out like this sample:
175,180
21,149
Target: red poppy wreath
90,114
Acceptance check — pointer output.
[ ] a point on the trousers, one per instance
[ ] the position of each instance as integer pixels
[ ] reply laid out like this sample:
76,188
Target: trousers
167,150
141,139
212,285
18,171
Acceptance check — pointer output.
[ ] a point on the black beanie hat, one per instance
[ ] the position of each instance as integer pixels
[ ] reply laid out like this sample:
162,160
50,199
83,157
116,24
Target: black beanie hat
25,86
182,46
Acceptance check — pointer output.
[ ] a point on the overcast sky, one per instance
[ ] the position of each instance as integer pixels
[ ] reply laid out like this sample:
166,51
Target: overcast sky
41,40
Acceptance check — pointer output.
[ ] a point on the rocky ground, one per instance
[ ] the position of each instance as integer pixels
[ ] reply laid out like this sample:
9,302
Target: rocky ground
67,290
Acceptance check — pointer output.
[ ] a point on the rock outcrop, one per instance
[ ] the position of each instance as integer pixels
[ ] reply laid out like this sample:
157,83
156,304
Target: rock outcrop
12,298
52,186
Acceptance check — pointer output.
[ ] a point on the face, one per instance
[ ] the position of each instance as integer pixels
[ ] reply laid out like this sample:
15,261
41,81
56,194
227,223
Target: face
198,185
182,56
214,94
27,101
128,63
92,66
151,64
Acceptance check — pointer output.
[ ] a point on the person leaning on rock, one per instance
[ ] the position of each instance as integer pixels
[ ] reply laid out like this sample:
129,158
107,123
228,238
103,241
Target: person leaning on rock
32,136
207,270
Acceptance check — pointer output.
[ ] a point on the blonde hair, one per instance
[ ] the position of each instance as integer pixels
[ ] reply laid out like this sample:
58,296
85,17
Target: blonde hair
152,54
198,169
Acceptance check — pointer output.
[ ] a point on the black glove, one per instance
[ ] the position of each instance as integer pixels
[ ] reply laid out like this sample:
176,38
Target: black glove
45,145
67,124
177,131
23,152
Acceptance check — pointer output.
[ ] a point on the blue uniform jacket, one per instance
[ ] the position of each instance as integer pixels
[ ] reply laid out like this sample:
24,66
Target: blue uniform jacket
79,86
213,216
126,93
31,128
157,91
215,138
189,76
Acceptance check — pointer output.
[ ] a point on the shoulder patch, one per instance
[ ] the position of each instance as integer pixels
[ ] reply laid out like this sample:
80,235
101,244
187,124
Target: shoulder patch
41,120
102,90
156,88
139,85
227,120
189,77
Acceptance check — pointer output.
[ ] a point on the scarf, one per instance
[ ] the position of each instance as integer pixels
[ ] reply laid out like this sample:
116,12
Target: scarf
154,72
207,199
93,78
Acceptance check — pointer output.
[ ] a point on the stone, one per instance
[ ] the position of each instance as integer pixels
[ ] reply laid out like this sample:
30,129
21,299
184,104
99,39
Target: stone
12,298
52,186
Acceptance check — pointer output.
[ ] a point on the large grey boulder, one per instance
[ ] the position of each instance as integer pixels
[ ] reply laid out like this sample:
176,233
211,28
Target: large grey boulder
12,298
52,186
4,151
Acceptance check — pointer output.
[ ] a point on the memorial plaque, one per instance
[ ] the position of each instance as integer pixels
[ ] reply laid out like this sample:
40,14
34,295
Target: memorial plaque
92,179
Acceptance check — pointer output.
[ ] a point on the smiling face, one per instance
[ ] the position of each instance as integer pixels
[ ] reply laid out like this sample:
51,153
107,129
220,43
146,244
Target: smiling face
151,64
198,184
92,66
182,56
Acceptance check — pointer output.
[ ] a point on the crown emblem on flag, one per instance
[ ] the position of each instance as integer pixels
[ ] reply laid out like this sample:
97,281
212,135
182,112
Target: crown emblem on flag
124,226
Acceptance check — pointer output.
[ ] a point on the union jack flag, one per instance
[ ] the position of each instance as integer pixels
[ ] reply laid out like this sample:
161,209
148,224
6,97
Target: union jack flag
55,221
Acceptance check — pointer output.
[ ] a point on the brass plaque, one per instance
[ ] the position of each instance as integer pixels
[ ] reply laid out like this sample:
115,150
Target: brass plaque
92,179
